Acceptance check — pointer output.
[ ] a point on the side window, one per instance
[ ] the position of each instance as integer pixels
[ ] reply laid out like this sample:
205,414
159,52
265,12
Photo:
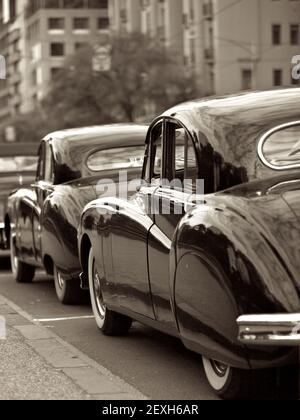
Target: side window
191,167
48,164
186,166
172,156
153,167
41,163
181,139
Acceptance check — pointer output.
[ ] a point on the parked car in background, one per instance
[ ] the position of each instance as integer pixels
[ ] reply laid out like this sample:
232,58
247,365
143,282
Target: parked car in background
220,270
42,220
18,163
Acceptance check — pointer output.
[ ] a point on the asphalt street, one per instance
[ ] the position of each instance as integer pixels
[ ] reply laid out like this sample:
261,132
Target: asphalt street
156,365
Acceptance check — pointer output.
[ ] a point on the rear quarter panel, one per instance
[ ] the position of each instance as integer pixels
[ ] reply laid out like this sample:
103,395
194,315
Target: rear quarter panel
226,268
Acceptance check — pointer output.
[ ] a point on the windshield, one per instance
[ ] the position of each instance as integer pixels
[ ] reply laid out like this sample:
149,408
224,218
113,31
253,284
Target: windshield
18,164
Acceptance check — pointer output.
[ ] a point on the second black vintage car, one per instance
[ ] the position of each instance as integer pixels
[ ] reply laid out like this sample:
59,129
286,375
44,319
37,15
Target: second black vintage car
18,162
219,270
42,220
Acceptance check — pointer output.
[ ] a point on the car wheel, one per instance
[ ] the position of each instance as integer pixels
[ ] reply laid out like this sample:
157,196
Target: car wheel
109,322
68,292
22,272
227,382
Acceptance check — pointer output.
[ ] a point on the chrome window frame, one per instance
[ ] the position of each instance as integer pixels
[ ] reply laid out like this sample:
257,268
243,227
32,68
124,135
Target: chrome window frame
263,140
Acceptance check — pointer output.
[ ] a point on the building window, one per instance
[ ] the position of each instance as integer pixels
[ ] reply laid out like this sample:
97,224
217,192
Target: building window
276,34
56,24
277,77
34,80
80,45
192,52
57,49
81,24
246,79
294,34
103,23
54,72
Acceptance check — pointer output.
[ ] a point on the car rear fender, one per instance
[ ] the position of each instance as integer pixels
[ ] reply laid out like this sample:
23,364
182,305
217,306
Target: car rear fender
225,268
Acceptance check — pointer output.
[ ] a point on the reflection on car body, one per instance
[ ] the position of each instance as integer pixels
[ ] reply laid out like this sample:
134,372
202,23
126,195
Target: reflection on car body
220,274
18,163
42,219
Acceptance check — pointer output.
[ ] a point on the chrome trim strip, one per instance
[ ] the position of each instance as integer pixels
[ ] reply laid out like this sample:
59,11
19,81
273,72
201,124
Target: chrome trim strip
265,137
270,329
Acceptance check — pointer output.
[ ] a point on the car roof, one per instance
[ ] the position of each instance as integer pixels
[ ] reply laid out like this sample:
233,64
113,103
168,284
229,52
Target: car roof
98,135
71,148
250,105
18,149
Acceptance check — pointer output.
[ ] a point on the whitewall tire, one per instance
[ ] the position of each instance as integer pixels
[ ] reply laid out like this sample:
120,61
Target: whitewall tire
22,272
109,322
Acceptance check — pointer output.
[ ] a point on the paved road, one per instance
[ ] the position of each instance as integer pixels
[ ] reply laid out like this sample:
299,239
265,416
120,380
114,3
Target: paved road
155,364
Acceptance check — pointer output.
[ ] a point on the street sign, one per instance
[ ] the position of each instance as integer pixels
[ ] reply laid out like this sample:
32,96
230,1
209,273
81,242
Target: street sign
102,58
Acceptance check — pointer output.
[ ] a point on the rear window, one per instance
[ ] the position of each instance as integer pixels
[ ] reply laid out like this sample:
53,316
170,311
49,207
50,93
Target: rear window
18,164
280,148
118,158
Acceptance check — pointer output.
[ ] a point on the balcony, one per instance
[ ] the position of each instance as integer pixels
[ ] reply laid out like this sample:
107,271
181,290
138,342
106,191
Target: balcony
15,78
14,57
14,36
15,100
34,6
209,54
208,11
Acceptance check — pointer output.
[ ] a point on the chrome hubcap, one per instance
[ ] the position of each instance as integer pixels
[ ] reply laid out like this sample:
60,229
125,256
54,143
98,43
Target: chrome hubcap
219,368
60,281
98,294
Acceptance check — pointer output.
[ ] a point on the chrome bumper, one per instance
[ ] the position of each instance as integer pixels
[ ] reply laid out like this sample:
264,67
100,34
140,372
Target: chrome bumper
269,330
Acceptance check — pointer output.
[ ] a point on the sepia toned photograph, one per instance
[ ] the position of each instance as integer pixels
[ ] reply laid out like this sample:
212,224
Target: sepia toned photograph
149,203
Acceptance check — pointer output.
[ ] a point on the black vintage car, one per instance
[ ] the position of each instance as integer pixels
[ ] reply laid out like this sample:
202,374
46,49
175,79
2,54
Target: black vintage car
18,163
42,220
219,270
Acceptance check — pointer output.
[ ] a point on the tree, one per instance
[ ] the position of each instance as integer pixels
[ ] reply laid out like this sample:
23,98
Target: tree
30,127
145,79
144,76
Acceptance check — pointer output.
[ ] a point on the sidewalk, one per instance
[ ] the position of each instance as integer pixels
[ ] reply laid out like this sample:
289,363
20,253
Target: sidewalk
37,364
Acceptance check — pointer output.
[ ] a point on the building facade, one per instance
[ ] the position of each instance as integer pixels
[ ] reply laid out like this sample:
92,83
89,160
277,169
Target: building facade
249,44
124,16
162,19
228,45
12,47
36,36
254,43
56,30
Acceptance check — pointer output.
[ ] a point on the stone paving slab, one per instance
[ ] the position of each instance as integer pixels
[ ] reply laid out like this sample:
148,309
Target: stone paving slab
36,363
92,381
24,375
55,353
34,332
16,319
